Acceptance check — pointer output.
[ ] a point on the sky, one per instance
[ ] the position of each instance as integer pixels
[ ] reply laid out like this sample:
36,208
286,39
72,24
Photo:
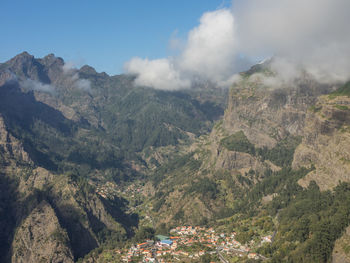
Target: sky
104,34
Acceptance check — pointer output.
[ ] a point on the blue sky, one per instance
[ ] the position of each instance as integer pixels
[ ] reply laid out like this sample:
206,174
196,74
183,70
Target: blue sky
103,34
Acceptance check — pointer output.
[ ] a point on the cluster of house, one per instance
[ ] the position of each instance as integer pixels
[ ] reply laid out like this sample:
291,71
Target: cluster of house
131,191
107,190
188,242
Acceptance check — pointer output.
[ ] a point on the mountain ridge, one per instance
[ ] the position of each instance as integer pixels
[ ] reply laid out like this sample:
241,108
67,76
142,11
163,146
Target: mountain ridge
113,162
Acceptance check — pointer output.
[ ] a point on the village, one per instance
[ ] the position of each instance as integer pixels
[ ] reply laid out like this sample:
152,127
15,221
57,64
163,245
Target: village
188,243
184,243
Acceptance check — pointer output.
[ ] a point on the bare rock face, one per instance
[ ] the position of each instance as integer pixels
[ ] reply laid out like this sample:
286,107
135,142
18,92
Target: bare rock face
341,251
10,146
38,179
326,143
6,76
40,238
26,66
44,234
53,102
267,115
231,160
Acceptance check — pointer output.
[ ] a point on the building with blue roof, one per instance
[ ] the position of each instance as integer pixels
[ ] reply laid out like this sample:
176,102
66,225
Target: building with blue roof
166,242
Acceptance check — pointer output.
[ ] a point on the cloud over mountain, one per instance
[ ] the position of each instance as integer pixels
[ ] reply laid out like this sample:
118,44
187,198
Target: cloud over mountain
209,53
36,85
304,36
308,35
72,75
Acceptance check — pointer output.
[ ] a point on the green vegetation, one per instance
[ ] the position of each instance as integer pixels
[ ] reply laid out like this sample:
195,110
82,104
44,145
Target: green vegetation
206,187
59,236
238,142
310,224
173,164
116,122
144,233
179,216
283,182
342,91
315,108
282,153
342,107
309,221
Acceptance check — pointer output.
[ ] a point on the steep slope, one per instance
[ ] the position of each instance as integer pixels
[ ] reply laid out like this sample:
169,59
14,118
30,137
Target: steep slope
268,114
261,170
86,109
341,248
240,176
326,142
114,103
40,238
63,133
62,209
261,128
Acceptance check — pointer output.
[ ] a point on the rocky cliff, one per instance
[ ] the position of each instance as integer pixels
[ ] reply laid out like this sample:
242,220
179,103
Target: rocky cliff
341,251
268,114
260,130
49,217
40,238
326,142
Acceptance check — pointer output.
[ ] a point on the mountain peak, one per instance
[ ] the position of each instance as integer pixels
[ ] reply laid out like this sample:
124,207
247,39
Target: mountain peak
22,57
24,54
50,59
88,70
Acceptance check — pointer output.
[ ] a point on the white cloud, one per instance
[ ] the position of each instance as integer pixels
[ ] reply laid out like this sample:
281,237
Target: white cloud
211,47
71,73
36,85
159,73
209,53
83,84
310,36
68,67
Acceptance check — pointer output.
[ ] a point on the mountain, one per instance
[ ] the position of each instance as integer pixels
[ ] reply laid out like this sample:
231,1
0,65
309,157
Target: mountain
91,163
272,159
326,140
62,209
42,94
259,132
66,132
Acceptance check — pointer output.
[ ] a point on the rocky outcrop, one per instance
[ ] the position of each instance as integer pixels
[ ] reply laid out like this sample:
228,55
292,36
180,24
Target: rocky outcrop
25,66
230,160
234,161
40,238
326,143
